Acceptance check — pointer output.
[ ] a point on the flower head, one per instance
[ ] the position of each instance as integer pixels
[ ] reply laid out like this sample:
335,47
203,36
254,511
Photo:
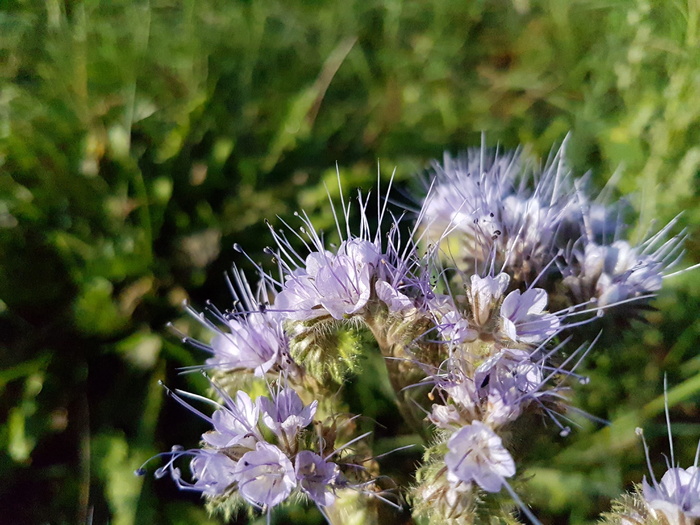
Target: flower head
238,457
340,282
235,423
483,200
616,272
249,336
620,272
523,317
254,342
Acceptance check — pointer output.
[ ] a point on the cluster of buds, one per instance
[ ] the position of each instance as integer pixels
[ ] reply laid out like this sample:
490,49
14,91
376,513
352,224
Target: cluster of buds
473,306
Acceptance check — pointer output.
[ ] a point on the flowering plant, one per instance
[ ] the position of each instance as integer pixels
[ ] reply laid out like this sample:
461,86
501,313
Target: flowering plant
480,307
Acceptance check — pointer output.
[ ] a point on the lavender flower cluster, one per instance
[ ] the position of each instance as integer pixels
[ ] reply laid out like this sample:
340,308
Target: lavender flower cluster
263,451
474,306
260,448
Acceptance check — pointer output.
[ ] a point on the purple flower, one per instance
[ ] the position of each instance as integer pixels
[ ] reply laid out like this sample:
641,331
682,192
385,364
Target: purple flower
476,453
615,273
467,189
361,252
344,286
246,337
676,495
523,317
254,342
285,414
395,301
529,228
265,476
676,498
619,272
213,472
455,328
341,284
299,299
338,285
508,381
512,367
450,322
236,423
461,390
316,477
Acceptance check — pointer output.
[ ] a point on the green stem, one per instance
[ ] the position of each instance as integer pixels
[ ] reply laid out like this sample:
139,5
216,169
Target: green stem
398,341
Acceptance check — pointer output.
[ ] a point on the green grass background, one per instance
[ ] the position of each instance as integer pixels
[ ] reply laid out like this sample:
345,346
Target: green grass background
140,139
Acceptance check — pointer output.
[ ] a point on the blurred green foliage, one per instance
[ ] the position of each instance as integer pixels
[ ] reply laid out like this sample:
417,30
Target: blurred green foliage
140,139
